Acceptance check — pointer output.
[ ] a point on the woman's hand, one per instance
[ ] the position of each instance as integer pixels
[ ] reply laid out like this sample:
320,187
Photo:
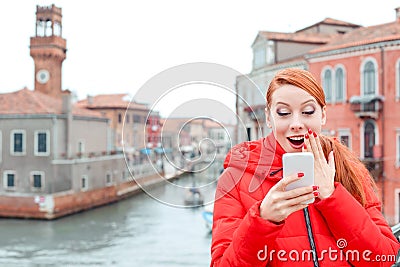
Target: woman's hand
324,172
278,204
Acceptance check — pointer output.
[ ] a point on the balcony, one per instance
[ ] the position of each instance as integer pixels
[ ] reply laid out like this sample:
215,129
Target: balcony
368,106
374,166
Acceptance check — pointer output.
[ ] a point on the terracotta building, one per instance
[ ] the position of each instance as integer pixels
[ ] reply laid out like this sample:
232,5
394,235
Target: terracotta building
360,73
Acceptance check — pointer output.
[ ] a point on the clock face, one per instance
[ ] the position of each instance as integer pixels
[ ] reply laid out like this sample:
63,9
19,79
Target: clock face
42,76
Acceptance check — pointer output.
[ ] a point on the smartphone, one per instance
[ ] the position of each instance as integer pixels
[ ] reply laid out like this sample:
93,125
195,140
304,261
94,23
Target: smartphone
299,162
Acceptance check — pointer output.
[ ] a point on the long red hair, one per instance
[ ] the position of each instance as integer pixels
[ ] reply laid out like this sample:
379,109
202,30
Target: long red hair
350,171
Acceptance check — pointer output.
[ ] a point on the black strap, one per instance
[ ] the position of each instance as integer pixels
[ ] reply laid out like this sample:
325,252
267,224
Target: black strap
311,237
397,263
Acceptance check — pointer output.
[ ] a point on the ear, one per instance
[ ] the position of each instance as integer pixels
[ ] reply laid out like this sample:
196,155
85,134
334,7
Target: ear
267,118
323,118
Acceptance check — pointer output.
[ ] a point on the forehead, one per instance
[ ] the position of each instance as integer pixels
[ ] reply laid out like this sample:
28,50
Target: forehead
290,94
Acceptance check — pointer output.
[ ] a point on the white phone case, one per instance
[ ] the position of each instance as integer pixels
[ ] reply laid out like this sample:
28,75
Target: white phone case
294,163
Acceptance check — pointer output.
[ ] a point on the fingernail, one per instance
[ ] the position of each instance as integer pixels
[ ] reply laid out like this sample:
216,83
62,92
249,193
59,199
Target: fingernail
315,135
315,187
316,193
309,131
304,145
306,136
300,174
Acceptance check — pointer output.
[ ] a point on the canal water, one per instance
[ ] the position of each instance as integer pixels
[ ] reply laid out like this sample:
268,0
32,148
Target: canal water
148,229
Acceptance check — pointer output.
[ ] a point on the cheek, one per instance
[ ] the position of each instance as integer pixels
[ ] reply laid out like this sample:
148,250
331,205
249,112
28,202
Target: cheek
315,124
278,124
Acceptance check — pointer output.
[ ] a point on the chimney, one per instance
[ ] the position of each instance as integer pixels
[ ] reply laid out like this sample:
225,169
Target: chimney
66,102
90,100
397,9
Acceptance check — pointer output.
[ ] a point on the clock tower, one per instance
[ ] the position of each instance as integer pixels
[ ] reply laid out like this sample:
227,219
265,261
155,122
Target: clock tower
48,50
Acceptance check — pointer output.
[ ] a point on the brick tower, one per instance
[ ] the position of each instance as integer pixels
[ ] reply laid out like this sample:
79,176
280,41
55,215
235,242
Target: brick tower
48,50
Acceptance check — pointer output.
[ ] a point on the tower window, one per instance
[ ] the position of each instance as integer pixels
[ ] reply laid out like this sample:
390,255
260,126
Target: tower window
49,30
40,28
57,28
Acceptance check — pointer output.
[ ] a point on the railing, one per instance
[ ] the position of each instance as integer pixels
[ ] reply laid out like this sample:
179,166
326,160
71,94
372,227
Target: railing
366,106
374,106
374,166
79,155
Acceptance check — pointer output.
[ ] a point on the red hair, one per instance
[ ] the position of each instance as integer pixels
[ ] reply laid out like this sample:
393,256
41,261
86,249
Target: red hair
350,171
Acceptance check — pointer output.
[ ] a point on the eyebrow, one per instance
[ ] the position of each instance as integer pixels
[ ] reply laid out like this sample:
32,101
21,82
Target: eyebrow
305,102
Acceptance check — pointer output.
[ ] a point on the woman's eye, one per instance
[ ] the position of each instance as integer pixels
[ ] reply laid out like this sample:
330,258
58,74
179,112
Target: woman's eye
282,113
309,112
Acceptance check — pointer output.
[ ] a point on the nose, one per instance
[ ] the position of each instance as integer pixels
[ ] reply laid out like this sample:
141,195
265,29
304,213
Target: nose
296,124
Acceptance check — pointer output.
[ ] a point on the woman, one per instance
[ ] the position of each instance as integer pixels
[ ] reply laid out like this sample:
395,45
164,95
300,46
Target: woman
258,223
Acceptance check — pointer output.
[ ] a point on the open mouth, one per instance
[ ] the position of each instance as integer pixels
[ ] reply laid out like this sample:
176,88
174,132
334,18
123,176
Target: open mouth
296,140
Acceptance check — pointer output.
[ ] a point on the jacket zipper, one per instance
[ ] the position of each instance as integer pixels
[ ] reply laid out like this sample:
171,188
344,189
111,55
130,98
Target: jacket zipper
311,237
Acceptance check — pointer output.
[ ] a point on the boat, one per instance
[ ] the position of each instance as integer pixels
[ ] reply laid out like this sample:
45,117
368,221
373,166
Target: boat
194,197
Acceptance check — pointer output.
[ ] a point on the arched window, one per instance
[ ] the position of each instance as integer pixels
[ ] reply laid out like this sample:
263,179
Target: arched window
57,28
398,79
40,28
369,78
49,30
327,85
369,139
339,85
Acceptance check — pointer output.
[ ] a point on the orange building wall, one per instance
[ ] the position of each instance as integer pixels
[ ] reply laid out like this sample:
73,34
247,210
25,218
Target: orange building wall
341,116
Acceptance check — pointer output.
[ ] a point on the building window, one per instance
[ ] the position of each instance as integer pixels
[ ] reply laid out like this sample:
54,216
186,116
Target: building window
368,76
345,140
84,183
398,149
344,137
369,139
127,118
108,178
57,28
18,143
327,85
49,31
119,118
339,85
9,180
136,118
42,143
398,79
40,28
37,180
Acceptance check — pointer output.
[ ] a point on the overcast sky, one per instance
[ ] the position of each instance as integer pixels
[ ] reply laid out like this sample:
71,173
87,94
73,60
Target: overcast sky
117,46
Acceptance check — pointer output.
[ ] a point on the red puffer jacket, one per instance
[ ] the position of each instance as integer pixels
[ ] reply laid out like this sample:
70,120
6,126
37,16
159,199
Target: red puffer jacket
345,233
